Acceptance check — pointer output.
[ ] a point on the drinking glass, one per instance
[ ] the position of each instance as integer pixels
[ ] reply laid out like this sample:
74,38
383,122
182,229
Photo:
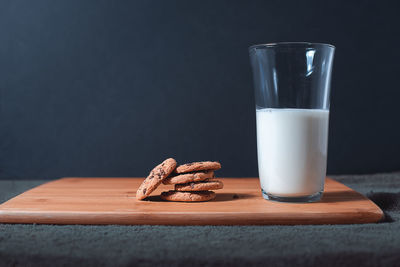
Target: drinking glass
292,91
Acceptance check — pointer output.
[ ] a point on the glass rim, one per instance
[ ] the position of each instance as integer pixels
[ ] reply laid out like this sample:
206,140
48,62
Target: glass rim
278,44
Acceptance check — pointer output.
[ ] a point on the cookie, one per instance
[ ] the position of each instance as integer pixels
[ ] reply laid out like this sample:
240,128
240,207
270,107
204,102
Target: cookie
189,177
188,196
156,176
200,186
198,166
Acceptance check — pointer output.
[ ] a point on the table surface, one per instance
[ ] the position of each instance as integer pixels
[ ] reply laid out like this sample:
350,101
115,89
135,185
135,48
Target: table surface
302,245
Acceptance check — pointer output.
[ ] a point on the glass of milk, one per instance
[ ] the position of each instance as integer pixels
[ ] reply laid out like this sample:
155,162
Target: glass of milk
292,90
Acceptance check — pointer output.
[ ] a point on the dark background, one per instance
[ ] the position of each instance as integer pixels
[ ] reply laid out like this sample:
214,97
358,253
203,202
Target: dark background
111,88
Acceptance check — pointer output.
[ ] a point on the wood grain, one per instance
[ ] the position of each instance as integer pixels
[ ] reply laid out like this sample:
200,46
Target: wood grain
112,201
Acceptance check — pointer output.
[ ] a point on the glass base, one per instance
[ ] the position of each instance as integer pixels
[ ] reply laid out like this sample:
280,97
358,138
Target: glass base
301,199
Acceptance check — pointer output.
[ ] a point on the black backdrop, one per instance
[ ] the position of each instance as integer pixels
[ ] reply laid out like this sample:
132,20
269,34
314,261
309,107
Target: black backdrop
110,88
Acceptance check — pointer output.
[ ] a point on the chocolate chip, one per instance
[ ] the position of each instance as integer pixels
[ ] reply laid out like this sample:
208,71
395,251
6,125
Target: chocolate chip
144,191
162,172
192,185
151,176
235,196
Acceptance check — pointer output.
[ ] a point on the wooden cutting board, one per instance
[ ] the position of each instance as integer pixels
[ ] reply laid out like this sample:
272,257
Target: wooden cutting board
112,201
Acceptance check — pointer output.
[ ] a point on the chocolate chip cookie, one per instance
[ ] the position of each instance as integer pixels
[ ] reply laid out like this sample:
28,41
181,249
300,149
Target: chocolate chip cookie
188,196
189,177
156,176
200,186
198,166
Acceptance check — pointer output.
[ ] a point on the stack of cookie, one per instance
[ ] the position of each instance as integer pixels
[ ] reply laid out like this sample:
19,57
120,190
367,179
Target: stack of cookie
192,181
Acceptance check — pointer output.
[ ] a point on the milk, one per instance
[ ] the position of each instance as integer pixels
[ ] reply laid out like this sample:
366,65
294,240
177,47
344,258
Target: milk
292,151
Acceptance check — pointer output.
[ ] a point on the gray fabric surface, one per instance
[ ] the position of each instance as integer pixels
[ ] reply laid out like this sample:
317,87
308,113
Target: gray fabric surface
309,245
